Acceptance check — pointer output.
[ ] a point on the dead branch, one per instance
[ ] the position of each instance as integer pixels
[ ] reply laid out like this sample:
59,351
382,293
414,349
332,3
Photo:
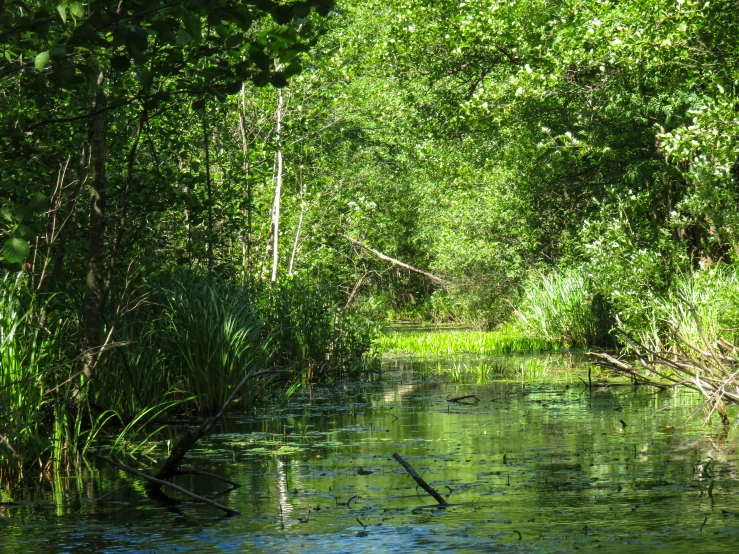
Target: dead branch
187,441
465,397
161,483
434,278
418,479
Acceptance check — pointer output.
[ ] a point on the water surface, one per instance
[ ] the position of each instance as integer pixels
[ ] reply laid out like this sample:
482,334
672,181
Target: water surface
533,463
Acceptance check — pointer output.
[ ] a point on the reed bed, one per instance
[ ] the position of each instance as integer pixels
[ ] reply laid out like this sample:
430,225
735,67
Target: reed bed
452,342
181,351
563,307
689,339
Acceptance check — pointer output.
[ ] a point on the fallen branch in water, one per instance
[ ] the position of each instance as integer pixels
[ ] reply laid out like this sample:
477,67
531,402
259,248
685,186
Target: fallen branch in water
186,442
161,483
234,484
418,479
711,368
461,398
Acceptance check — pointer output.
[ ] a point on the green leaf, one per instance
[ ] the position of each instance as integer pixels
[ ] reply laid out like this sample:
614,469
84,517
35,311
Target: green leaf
192,24
57,52
233,41
77,9
292,69
41,60
278,80
183,37
24,214
24,232
39,202
62,9
15,250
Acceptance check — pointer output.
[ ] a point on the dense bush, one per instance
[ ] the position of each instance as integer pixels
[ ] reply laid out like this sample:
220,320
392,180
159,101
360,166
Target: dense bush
187,343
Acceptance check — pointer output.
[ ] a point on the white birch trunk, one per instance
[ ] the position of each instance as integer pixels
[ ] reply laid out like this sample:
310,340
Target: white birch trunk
278,190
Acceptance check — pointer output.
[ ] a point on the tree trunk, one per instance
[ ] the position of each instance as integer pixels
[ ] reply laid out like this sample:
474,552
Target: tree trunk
92,309
278,191
206,147
296,243
246,248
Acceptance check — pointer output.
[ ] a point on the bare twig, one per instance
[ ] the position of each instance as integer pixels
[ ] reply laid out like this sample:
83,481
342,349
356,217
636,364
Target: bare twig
418,479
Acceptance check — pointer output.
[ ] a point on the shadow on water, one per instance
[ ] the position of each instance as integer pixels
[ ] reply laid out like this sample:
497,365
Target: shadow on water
532,461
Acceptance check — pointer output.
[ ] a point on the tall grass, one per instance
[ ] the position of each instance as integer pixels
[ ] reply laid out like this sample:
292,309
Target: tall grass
312,334
700,307
38,419
197,337
183,350
563,307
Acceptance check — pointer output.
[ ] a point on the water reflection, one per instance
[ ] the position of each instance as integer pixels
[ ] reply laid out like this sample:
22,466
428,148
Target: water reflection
538,464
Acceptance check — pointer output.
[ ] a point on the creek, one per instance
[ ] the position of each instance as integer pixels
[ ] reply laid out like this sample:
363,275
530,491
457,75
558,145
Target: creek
535,462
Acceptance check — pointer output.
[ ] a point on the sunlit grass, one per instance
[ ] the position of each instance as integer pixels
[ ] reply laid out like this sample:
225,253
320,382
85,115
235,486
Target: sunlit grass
452,342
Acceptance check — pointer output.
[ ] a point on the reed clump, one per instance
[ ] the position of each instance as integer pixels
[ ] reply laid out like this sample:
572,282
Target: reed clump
689,340
564,307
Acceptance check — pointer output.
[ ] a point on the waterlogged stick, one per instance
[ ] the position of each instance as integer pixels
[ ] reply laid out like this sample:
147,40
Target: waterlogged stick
159,482
418,479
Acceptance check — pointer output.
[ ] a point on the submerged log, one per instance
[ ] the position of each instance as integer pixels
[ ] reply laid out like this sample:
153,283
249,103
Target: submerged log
160,483
460,399
170,467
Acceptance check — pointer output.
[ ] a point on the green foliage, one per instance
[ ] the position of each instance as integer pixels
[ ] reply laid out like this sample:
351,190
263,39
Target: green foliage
198,337
310,333
701,307
34,363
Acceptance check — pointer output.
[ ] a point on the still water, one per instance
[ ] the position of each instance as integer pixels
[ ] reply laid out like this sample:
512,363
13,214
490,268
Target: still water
534,462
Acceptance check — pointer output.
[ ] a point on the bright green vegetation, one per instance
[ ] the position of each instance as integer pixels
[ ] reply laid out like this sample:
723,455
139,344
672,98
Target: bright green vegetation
449,343
183,348
192,190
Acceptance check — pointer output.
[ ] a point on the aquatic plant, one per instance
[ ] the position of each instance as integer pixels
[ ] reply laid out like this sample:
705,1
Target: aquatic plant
39,407
690,340
506,340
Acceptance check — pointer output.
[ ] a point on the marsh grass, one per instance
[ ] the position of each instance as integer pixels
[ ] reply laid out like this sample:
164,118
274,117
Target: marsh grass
35,425
180,352
452,342
712,294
